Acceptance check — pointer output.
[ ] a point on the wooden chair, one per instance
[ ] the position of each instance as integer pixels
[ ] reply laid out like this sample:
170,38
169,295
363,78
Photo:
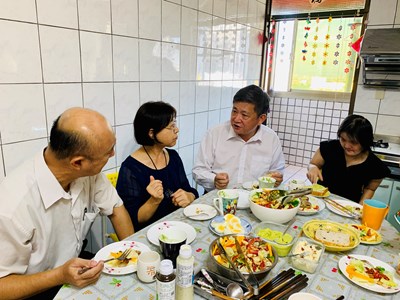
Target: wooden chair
113,177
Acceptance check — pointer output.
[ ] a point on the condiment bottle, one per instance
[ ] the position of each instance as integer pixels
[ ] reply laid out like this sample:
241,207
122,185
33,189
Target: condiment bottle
165,281
184,274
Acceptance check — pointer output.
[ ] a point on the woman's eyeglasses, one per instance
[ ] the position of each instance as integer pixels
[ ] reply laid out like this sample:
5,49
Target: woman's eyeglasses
172,127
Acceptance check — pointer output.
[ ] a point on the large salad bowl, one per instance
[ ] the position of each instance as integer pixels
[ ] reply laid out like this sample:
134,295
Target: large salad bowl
264,256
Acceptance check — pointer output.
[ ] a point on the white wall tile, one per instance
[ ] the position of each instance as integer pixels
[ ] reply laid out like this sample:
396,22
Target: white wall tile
126,143
171,55
95,15
59,13
22,10
96,56
385,125
187,97
25,103
188,63
125,17
99,96
59,97
382,14
390,105
200,126
228,65
170,94
213,118
150,91
186,130
226,95
216,64
203,64
225,115
239,65
241,38
218,33
19,56
204,30
206,6
60,54
231,10
150,60
127,102
255,46
2,175
260,15
126,58
186,154
189,26
365,100
202,95
253,67
171,22
191,3
150,19
230,36
219,8
214,101
15,154
243,6
252,14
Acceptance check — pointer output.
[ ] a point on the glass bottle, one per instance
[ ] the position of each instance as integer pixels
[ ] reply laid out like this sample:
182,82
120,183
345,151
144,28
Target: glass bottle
165,281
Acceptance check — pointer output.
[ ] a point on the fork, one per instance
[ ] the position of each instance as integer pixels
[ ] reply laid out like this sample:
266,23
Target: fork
168,193
122,257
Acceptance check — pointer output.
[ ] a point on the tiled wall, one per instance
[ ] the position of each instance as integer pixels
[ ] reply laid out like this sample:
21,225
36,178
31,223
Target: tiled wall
301,124
381,107
113,55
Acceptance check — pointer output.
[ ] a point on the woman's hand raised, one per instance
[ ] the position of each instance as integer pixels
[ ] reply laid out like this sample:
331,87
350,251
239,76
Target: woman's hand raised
155,189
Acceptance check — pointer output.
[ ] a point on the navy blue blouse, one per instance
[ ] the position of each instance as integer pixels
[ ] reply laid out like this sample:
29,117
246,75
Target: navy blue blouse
134,177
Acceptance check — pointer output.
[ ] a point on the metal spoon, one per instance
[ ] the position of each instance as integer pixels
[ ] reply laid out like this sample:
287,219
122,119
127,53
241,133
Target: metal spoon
234,290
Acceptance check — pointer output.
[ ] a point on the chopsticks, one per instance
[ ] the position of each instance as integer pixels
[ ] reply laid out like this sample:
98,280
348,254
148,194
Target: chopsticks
341,208
283,285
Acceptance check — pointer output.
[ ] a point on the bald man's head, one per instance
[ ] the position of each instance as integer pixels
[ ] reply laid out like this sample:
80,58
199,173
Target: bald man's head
78,131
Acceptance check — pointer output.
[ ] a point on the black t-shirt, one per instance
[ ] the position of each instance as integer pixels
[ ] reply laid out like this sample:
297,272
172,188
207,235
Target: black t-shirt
349,181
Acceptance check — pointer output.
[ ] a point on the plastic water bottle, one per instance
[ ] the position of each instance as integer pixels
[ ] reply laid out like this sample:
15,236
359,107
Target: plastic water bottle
184,274
165,281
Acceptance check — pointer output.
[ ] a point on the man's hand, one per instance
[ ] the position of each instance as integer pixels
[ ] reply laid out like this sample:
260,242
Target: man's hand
221,180
70,272
278,176
155,189
182,198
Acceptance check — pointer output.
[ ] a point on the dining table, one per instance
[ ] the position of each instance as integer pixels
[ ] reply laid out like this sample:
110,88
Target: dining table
327,282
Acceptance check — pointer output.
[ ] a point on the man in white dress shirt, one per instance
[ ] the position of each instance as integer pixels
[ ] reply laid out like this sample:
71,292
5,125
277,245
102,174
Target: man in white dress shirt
48,204
241,149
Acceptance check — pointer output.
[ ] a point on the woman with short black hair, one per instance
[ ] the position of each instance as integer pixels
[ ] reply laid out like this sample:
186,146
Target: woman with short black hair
152,181
347,166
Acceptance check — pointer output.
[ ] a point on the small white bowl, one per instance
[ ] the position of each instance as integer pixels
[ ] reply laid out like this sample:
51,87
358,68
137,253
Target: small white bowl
303,296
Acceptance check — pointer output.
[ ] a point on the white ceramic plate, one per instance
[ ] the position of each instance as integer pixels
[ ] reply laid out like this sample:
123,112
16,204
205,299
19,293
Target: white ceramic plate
154,232
220,219
345,260
314,201
344,203
104,253
243,202
200,212
250,185
397,217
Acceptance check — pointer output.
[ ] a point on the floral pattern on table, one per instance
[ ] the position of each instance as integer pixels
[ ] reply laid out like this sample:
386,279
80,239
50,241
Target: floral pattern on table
327,282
